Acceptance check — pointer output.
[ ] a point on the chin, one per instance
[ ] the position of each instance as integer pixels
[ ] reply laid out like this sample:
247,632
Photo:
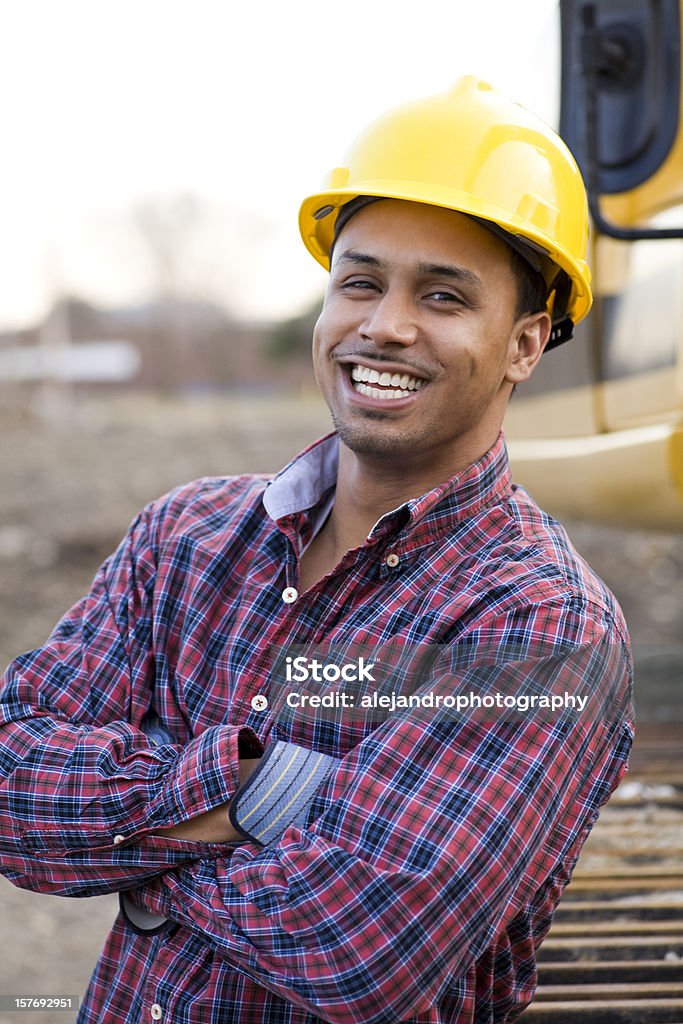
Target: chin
369,440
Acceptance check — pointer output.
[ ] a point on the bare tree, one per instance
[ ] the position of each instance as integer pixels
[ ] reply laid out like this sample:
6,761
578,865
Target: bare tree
169,227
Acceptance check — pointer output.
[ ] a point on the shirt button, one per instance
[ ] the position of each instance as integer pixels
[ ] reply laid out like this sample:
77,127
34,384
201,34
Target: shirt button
119,839
289,595
155,1011
392,560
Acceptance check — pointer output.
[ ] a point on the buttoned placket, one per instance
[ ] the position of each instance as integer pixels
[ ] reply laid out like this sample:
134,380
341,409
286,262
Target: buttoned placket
290,591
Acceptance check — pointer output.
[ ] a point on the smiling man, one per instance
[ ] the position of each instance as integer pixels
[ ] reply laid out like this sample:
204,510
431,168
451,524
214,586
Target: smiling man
298,867
418,347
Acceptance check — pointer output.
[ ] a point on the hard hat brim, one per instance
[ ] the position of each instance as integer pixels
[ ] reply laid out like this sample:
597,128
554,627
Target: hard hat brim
317,232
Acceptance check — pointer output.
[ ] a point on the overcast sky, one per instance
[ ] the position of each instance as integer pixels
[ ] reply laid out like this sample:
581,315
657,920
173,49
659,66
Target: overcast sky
244,104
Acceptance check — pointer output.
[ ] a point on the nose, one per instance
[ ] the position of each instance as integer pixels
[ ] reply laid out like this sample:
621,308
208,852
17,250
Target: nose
391,320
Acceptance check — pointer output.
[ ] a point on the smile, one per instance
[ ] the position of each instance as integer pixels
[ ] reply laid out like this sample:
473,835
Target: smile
387,386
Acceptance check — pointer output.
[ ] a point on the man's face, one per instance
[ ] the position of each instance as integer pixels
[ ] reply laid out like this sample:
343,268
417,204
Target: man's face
417,346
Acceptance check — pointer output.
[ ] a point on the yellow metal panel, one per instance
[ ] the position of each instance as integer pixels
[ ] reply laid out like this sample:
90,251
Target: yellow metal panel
629,477
642,399
565,413
676,458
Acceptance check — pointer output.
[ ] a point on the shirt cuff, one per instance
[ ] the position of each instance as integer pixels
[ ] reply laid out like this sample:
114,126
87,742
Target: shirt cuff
279,793
205,775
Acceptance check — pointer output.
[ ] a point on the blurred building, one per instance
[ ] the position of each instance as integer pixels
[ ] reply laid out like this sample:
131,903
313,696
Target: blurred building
173,346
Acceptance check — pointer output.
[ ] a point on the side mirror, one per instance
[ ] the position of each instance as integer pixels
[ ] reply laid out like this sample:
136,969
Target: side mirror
620,101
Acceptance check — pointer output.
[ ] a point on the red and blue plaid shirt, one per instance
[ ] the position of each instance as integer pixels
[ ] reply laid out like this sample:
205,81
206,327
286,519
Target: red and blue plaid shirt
432,859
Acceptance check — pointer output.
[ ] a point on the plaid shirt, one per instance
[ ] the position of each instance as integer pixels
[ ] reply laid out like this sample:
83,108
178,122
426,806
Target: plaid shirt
432,858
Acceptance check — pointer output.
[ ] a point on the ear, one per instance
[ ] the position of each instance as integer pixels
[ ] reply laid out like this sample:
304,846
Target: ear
528,340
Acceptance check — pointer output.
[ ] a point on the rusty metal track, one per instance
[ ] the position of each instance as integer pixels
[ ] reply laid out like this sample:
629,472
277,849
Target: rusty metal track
614,954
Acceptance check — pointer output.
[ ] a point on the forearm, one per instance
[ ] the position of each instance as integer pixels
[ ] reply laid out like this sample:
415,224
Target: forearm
84,810
213,826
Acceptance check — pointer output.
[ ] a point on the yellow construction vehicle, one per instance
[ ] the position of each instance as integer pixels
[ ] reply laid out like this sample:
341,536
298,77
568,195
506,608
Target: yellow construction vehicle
598,431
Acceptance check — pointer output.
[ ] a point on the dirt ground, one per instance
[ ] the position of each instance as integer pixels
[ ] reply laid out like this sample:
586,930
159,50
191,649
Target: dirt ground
68,488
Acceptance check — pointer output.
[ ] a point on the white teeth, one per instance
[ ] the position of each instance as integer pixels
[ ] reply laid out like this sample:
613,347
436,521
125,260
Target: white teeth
384,393
402,385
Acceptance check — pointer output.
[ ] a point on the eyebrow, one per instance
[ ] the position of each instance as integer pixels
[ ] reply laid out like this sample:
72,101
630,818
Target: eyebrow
353,256
461,274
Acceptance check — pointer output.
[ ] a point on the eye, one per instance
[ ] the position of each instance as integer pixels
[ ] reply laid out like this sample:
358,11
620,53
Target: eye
358,284
443,298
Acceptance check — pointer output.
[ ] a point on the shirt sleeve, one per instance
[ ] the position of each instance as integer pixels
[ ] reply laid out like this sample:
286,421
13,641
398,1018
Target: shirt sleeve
81,783
431,836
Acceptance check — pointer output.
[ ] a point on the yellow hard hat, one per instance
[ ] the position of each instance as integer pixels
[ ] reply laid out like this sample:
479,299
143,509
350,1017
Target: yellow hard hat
474,151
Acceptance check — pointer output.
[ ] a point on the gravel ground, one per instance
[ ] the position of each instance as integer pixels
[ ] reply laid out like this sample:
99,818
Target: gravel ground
68,489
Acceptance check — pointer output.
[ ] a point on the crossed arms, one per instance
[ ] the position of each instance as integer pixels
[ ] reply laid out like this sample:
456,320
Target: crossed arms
424,843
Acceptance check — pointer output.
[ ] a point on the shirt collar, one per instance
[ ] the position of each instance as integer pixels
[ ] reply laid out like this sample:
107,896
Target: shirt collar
486,482
304,482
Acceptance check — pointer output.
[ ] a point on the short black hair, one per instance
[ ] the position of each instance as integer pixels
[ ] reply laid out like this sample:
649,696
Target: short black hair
532,291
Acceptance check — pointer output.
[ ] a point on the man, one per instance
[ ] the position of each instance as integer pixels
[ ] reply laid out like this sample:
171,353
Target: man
399,866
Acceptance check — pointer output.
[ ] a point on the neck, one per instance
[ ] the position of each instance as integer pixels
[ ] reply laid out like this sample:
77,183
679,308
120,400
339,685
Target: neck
370,486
